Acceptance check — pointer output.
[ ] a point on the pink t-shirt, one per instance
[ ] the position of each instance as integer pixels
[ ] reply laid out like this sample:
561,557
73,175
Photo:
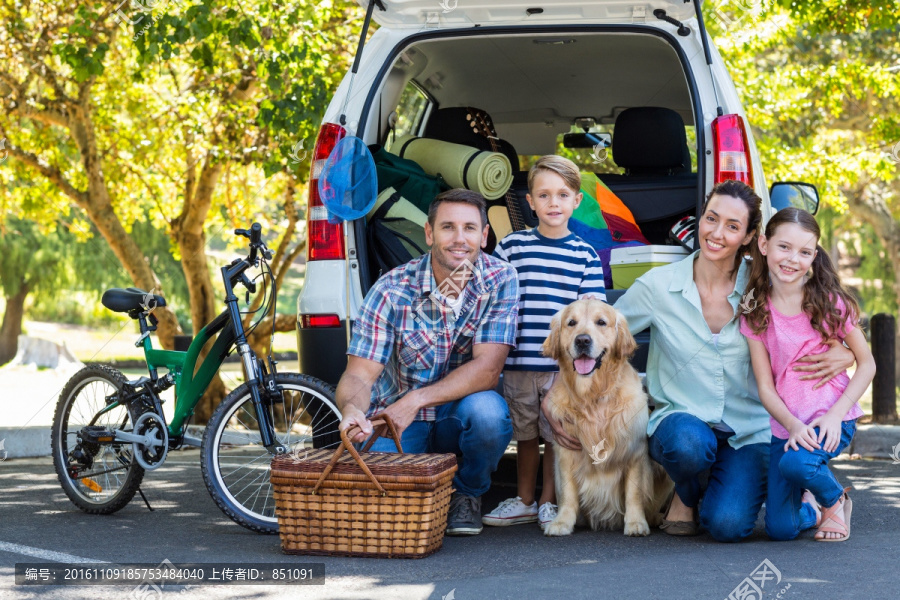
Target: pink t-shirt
790,338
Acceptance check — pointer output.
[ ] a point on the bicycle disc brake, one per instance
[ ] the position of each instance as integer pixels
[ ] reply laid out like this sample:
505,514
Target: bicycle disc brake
151,455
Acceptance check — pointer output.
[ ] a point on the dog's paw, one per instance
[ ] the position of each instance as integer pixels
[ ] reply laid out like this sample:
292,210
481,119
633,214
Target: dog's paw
637,528
558,527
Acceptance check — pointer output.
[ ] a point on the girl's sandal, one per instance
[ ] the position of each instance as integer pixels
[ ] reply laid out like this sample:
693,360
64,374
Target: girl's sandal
832,522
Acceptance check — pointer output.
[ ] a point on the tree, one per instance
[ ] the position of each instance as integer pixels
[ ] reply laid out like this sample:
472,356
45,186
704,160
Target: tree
142,107
31,260
819,82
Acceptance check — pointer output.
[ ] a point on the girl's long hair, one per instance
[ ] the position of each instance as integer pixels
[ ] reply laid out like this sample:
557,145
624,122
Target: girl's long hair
820,293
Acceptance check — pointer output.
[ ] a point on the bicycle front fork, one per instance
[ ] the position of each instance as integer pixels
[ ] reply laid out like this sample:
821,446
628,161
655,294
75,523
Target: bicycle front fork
252,376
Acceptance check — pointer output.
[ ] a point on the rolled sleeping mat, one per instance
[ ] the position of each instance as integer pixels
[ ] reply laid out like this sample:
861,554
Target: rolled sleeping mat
401,208
488,173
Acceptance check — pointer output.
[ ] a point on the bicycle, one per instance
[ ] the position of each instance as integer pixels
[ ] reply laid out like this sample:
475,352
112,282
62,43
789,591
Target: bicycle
108,431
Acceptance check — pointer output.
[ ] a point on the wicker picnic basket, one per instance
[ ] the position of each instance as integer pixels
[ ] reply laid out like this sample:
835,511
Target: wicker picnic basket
374,504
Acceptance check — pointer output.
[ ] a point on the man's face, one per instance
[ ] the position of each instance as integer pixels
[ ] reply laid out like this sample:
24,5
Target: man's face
457,236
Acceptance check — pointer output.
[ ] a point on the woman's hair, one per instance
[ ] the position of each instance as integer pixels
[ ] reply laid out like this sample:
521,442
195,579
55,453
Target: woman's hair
747,195
820,293
563,167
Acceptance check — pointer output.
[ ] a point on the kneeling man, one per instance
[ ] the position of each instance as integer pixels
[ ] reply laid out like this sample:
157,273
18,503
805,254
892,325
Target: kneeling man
428,348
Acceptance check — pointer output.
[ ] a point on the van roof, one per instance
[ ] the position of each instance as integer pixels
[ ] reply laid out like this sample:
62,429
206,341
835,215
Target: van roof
456,13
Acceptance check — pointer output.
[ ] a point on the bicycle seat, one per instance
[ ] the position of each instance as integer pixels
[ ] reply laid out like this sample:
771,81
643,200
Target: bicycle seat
131,299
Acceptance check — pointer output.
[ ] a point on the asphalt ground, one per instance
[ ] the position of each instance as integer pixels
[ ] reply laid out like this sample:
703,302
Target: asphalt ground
39,525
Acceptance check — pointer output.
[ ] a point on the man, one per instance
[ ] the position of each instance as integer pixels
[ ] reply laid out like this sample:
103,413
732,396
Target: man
428,348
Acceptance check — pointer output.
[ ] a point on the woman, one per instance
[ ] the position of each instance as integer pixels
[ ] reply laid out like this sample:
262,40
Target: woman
708,415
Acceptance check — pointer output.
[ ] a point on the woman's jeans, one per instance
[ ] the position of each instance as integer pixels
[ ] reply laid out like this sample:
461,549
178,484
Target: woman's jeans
686,447
476,428
792,472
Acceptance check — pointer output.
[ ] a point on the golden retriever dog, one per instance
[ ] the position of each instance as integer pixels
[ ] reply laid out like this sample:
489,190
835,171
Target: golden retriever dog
611,482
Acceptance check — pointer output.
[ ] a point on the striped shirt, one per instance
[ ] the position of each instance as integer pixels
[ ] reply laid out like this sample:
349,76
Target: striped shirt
552,273
418,337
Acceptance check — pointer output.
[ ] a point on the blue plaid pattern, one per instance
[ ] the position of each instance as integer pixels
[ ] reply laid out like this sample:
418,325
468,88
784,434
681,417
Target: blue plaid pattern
418,338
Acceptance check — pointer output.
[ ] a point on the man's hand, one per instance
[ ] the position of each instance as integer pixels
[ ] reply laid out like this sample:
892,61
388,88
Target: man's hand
826,365
354,416
403,412
560,436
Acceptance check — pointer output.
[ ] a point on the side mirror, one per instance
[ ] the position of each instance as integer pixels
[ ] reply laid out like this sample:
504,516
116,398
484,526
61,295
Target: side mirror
794,193
587,140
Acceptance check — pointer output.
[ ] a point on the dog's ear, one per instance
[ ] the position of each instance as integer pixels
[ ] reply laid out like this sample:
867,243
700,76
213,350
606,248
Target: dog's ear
550,349
625,344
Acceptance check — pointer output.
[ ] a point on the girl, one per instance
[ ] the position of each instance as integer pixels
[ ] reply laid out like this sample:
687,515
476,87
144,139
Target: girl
800,305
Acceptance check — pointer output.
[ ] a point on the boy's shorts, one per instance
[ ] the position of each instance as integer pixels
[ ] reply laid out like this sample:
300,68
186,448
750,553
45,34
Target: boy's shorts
524,391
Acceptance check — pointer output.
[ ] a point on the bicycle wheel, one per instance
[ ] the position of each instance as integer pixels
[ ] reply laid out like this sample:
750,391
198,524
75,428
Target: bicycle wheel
234,462
97,478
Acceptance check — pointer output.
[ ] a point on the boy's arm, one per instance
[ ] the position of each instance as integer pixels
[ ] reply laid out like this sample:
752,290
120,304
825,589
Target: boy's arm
774,405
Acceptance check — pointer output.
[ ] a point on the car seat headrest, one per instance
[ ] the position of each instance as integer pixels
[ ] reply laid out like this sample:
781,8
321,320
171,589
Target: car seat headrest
650,140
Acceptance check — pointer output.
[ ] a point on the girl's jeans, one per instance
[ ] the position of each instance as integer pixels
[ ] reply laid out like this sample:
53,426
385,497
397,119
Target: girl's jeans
792,472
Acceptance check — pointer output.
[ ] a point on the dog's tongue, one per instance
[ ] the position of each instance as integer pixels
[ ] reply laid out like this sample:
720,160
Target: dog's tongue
584,365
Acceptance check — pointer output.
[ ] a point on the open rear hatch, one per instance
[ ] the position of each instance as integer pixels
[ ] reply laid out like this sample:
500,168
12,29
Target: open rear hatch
456,13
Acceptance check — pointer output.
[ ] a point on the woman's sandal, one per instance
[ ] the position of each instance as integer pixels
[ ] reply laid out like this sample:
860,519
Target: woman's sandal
679,528
834,523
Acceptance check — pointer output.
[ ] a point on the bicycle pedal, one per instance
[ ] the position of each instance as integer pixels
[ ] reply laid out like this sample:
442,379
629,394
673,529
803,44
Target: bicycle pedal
97,434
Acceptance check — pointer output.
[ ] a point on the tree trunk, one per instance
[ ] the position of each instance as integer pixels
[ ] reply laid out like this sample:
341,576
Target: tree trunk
187,230
12,324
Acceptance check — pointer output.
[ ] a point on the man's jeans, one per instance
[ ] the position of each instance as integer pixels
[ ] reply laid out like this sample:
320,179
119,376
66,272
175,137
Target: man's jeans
476,428
686,447
792,472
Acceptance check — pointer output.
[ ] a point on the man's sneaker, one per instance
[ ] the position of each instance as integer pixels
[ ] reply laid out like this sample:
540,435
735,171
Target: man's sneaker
546,513
464,515
511,512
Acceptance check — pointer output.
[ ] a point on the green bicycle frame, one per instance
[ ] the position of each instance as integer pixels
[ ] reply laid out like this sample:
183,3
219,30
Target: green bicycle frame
189,386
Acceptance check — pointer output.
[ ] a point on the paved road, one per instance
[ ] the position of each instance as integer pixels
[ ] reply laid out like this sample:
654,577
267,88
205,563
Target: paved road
517,562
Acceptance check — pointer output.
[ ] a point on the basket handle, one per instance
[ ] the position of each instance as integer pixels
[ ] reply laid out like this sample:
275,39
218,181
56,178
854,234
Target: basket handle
384,422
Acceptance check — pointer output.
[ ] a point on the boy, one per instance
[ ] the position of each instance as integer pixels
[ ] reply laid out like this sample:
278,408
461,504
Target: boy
555,267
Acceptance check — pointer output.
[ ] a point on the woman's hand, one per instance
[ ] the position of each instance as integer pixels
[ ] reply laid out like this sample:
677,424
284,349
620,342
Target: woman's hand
826,365
560,437
829,429
802,434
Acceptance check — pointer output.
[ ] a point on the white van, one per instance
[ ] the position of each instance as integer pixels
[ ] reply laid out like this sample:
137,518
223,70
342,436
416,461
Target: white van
642,76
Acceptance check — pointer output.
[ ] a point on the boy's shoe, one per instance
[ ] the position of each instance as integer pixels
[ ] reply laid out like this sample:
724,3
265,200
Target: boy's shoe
511,512
464,515
546,513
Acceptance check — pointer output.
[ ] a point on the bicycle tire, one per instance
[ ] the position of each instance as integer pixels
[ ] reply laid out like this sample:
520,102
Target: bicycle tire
308,418
80,400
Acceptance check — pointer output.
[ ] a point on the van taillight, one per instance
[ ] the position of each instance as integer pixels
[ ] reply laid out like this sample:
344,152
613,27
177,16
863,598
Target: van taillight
310,321
325,241
731,150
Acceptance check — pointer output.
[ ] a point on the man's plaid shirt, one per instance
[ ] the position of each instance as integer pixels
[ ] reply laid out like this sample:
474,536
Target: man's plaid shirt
417,337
